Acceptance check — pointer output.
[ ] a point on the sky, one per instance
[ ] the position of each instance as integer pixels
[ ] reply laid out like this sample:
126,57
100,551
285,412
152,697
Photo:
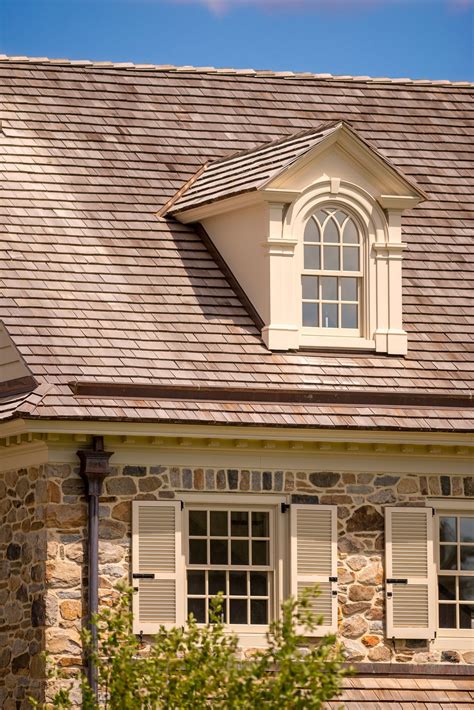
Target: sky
420,39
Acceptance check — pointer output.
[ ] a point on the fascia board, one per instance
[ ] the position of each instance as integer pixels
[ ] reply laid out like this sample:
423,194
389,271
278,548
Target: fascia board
357,149
210,209
90,427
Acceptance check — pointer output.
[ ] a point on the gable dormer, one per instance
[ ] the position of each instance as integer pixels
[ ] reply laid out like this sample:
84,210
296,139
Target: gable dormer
310,226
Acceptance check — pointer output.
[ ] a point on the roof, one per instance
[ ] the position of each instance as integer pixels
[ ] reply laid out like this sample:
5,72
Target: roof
405,693
94,286
255,169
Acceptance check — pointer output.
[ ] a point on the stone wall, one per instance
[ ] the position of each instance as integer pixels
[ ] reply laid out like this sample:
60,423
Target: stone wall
360,499
23,495
43,539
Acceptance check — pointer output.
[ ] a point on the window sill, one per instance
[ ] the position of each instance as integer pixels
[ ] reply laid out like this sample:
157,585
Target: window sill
454,643
312,339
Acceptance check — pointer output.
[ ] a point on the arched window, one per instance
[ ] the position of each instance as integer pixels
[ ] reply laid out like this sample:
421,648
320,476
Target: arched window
332,275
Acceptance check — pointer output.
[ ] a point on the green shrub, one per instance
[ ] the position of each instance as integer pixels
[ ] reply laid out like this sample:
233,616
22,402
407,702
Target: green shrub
201,666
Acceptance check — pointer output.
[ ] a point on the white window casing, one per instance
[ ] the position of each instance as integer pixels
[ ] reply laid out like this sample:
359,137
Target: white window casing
313,559
410,579
157,566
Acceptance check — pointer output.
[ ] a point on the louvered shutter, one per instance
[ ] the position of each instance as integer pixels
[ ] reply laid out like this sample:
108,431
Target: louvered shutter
314,559
410,588
157,565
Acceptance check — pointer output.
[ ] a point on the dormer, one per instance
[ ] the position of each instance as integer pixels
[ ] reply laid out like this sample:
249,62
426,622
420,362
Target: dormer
310,226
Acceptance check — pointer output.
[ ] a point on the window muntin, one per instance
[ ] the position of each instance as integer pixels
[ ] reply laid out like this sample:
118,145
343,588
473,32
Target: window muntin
230,550
456,571
331,281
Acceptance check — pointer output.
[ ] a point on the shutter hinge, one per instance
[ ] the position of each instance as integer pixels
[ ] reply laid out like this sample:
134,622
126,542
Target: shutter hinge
333,579
182,504
393,580
285,507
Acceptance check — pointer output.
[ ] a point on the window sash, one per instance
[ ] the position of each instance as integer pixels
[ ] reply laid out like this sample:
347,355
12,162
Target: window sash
457,631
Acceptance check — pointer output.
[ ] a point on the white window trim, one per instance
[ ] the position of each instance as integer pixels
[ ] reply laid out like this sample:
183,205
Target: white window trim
249,636
457,639
381,292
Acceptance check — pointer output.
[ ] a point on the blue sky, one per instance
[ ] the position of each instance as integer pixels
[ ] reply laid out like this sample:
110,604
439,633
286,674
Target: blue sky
423,39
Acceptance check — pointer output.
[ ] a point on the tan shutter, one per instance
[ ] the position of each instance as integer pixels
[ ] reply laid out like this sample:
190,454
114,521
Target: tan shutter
157,565
314,559
410,588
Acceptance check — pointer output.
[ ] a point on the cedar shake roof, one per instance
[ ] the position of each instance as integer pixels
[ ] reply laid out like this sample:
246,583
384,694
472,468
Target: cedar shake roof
251,170
405,693
95,287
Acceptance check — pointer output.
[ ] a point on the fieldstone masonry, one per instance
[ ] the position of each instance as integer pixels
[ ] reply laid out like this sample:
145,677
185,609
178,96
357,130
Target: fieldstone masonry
42,590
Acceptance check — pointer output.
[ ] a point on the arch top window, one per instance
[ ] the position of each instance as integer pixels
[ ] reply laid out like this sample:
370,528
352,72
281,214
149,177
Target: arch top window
331,281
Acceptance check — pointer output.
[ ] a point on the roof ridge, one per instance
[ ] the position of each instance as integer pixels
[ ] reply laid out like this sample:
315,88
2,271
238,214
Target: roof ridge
230,71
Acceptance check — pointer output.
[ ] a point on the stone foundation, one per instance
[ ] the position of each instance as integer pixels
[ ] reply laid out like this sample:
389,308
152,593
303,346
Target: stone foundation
43,588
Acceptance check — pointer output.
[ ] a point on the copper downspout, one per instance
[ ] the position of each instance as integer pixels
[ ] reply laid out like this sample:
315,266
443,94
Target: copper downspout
94,469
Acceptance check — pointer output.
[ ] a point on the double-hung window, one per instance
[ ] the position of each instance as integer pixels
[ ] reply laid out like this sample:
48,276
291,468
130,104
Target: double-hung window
455,567
252,549
230,550
332,275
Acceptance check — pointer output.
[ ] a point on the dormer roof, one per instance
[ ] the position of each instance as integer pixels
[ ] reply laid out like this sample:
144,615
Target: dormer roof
257,169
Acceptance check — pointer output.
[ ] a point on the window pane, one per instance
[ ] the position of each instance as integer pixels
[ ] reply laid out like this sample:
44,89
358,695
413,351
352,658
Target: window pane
448,557
331,232
196,582
467,529
219,552
447,529
321,216
467,557
350,234
447,616
340,216
331,258
238,611
311,232
260,523
239,524
197,522
311,315
466,616
198,552
258,611
311,257
329,288
447,587
310,287
239,552
218,523
259,552
349,289
329,313
258,584
466,588
197,607
238,583
216,583
350,256
349,315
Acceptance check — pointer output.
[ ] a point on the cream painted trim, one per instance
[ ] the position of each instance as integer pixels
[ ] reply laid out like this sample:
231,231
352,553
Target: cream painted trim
211,498
316,338
456,643
23,456
236,202
441,504
205,435
398,202
344,461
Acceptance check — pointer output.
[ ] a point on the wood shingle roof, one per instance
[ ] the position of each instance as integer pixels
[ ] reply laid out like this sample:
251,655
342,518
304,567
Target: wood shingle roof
94,286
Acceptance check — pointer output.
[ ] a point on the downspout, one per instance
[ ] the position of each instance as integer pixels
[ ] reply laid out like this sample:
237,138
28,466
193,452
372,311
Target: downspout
94,469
